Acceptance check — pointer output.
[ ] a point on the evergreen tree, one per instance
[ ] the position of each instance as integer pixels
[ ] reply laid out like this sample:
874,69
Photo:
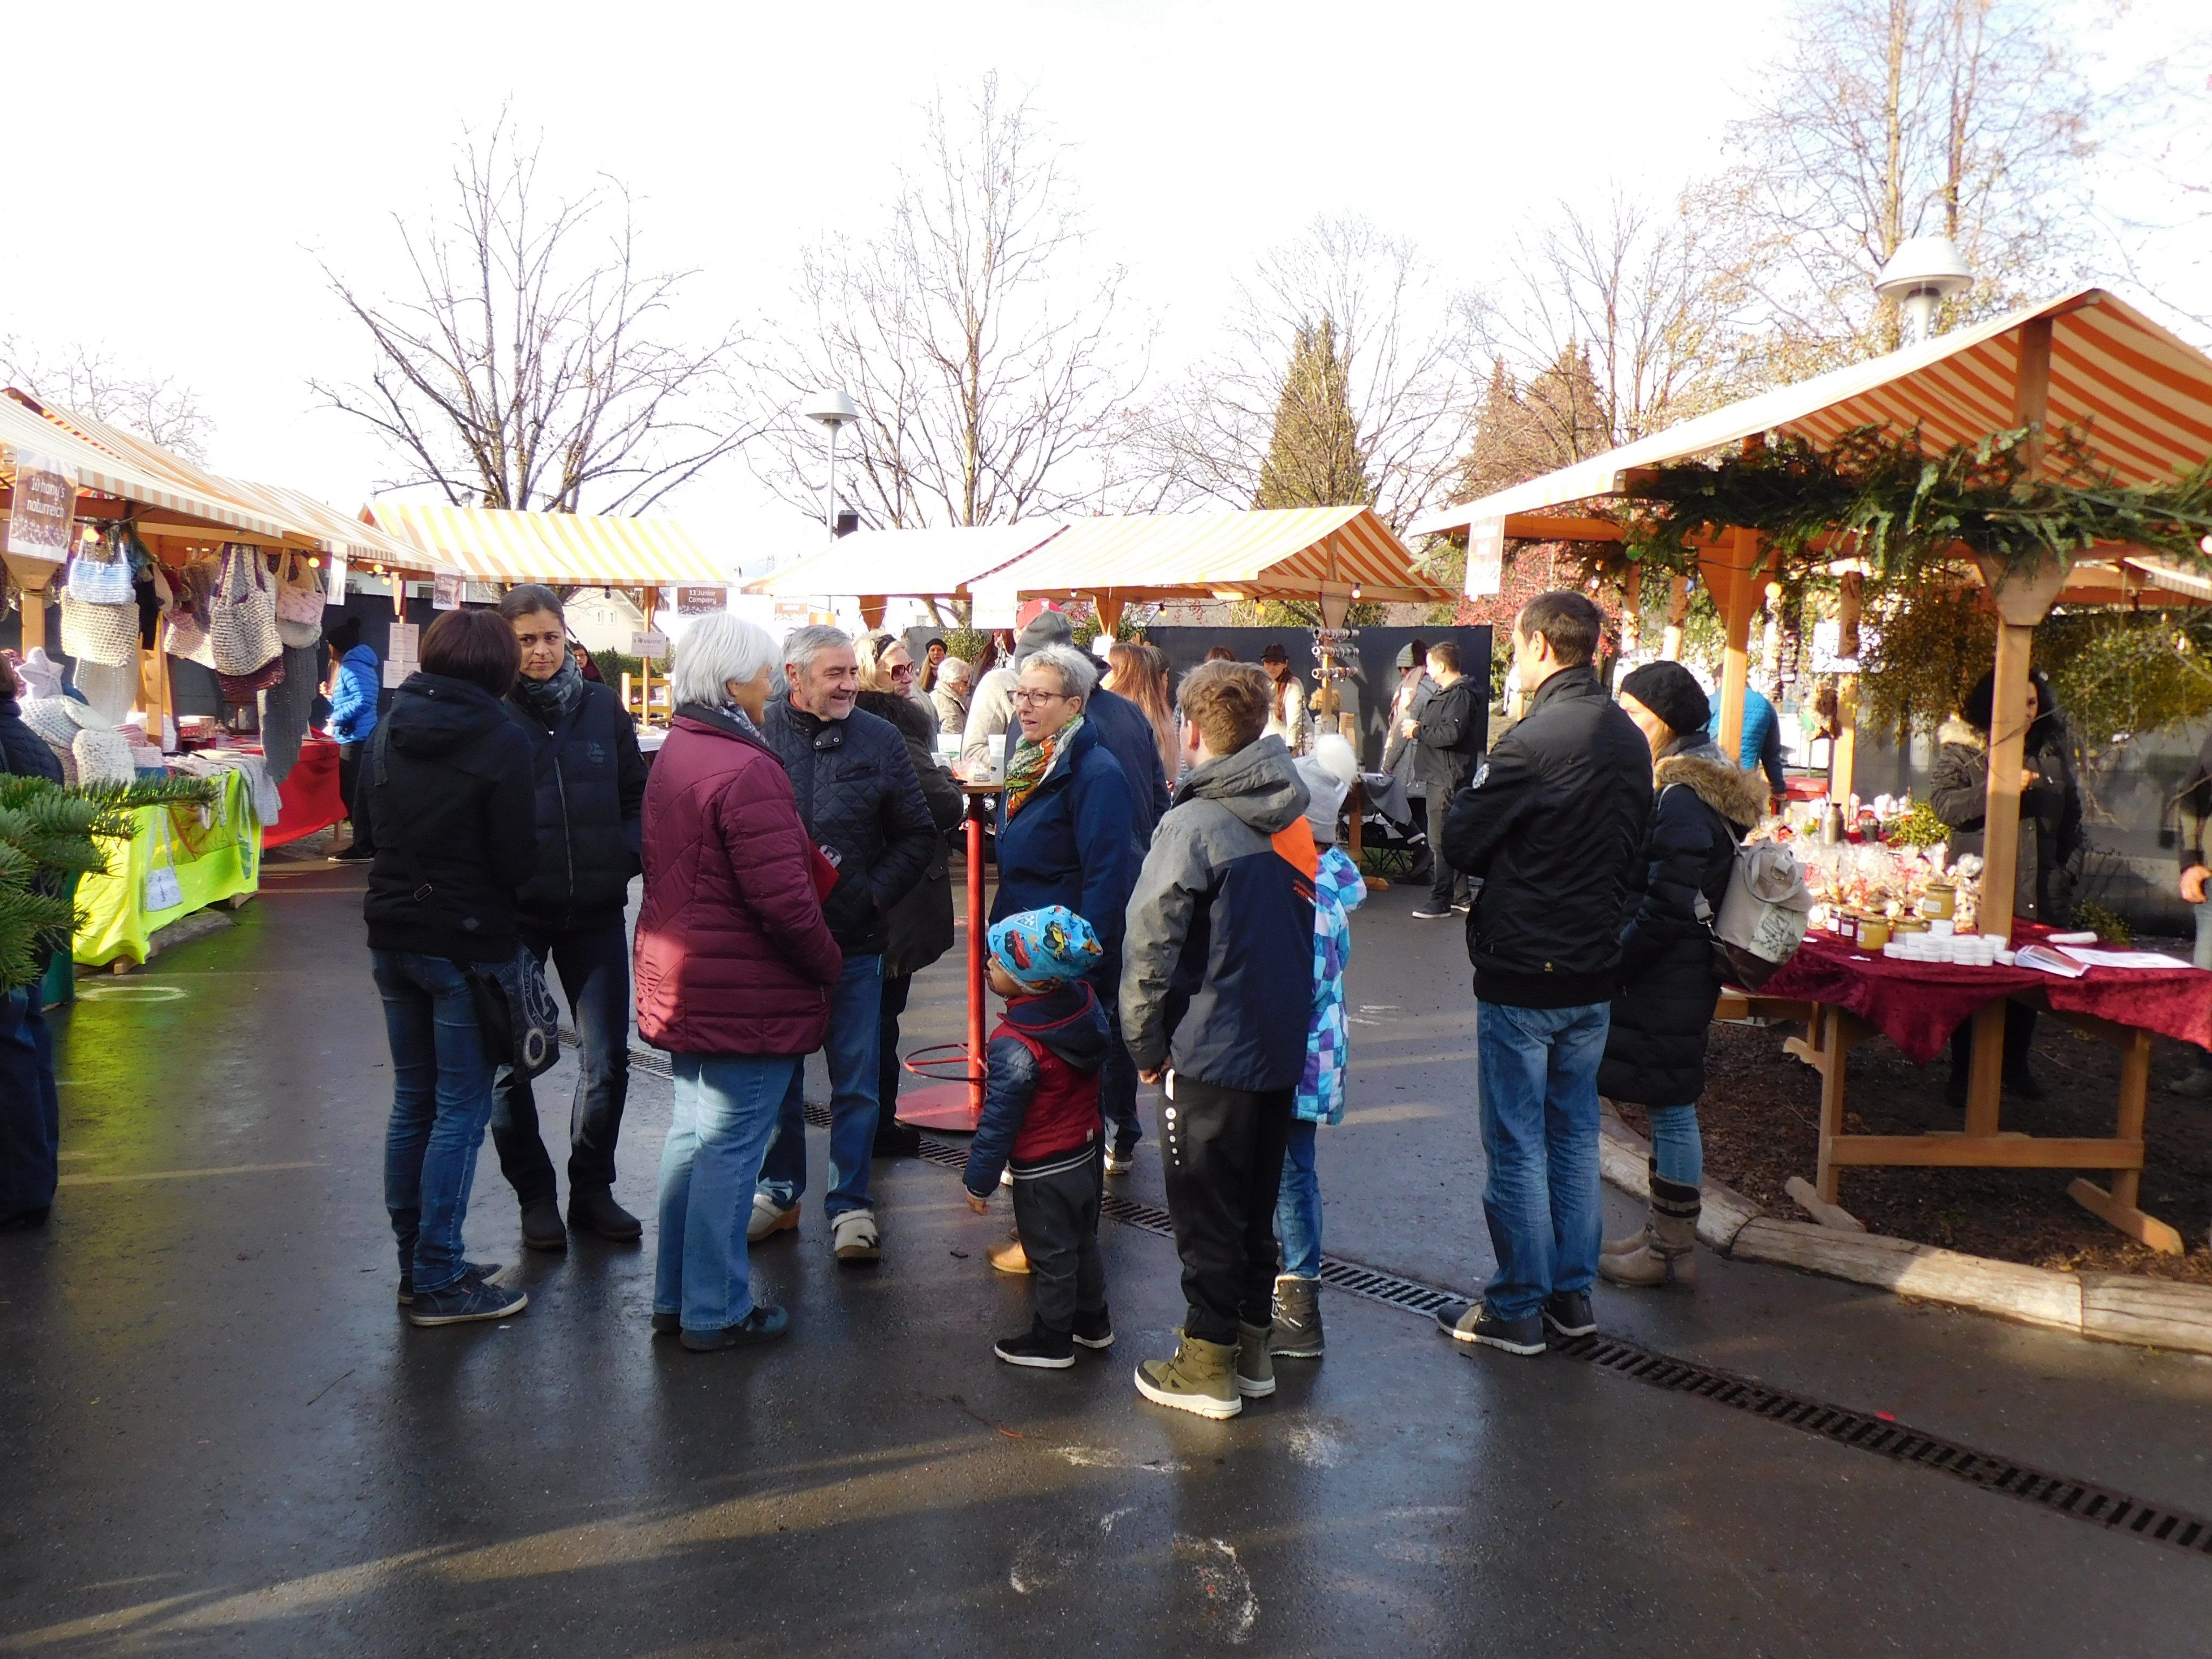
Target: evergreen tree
1315,458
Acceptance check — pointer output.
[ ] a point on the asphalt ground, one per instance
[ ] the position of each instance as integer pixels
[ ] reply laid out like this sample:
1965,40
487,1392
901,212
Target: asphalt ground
217,1437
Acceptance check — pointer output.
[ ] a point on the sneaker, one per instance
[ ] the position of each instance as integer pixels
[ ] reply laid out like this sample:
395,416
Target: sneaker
764,1323
768,1218
490,1272
853,1237
899,1141
1093,1330
1472,1321
353,854
541,1225
1255,1370
1200,1379
593,1209
466,1298
1119,1160
1460,907
1568,1313
1426,914
1044,1350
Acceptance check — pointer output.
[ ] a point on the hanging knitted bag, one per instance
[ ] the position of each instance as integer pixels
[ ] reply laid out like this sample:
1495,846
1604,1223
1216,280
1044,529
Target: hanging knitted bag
299,602
101,633
99,573
241,620
240,689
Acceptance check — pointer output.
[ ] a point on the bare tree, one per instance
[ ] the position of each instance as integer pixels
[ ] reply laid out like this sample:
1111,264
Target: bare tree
88,380
532,366
1403,345
1895,118
988,355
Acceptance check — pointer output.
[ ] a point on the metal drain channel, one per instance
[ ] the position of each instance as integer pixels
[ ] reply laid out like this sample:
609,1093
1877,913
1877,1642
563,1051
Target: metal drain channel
2080,1500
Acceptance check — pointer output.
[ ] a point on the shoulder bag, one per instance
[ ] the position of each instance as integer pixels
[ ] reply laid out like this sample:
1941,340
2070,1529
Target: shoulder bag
241,620
100,574
299,603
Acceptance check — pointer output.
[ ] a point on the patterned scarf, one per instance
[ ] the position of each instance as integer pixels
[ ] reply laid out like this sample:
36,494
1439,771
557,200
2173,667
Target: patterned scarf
1030,764
551,698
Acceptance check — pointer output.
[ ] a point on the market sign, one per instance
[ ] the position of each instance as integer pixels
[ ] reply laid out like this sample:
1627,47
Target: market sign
1485,558
650,646
701,601
40,522
445,593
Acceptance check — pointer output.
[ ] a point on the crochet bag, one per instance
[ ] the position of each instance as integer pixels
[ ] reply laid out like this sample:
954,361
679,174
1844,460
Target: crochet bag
99,631
241,622
299,603
241,689
100,574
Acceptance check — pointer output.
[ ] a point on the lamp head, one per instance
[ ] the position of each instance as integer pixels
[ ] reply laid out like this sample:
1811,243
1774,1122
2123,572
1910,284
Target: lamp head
1924,272
832,409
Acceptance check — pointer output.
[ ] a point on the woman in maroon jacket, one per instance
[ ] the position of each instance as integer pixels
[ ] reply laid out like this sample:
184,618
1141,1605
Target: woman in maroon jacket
734,969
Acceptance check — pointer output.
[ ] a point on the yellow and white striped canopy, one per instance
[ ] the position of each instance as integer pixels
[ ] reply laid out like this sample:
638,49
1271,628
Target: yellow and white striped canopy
906,564
24,429
2140,396
1283,553
494,545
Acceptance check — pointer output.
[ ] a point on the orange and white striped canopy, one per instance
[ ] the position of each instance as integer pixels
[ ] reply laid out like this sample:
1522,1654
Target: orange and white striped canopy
2140,398
24,430
1282,553
494,545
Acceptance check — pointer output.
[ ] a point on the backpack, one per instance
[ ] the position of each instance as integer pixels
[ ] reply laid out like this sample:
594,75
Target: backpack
1762,916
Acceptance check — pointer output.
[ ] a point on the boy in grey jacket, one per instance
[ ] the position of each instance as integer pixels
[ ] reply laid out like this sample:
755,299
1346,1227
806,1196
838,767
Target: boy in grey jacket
1217,984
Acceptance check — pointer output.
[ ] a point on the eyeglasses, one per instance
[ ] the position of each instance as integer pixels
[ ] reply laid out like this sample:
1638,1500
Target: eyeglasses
1025,698
902,672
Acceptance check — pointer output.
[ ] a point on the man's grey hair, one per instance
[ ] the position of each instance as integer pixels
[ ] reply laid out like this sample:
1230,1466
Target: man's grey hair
956,668
1076,671
802,645
719,647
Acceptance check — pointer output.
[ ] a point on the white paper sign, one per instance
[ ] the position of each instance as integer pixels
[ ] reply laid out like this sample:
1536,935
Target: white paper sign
1485,558
402,644
649,646
395,673
334,579
445,593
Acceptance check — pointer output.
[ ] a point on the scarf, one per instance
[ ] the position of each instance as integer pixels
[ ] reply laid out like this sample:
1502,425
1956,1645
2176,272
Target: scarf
1030,764
551,699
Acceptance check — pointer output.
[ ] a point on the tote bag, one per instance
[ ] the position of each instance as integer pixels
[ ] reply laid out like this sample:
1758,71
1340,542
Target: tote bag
100,574
241,623
99,631
299,603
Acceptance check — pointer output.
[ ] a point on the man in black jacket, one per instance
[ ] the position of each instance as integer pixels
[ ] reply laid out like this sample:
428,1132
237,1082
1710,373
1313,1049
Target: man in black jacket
1551,827
1447,734
857,792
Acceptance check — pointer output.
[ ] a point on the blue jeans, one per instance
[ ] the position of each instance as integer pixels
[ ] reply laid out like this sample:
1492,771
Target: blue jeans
594,968
1676,1143
1117,1077
441,1102
30,1105
725,1116
851,1048
1297,1205
1538,1068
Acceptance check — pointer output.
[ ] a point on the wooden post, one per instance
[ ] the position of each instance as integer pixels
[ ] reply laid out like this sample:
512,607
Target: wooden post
872,606
1736,606
1109,607
1678,612
1843,756
645,597
34,618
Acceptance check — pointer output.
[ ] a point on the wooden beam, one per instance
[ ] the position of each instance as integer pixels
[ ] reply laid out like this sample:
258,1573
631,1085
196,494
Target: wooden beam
1738,600
1548,527
1844,751
1987,1151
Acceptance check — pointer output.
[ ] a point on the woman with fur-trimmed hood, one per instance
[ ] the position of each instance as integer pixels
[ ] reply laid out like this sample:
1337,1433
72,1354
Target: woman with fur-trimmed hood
1655,1054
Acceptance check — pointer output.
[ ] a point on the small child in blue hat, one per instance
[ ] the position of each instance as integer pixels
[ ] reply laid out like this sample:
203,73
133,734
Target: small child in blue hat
1041,1114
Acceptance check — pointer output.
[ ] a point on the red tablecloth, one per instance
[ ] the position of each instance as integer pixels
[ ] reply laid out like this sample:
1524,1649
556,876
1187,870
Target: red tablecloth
1917,1005
310,795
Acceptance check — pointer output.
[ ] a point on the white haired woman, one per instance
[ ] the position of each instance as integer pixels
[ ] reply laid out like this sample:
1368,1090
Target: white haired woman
734,969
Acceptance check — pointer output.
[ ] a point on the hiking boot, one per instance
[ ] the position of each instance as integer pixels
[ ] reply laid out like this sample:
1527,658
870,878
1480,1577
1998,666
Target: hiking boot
1009,1257
853,1237
1296,1333
899,1141
1200,1379
541,1225
1568,1313
1473,1322
594,1210
770,1217
1255,1370
765,1322
1665,1252
488,1271
466,1298
1038,1347
1093,1330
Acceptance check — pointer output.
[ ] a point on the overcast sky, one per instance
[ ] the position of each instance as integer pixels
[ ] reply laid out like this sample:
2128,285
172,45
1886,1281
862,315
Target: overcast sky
183,167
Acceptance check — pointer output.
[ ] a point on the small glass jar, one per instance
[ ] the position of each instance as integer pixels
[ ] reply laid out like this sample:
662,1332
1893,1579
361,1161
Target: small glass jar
1939,902
1874,932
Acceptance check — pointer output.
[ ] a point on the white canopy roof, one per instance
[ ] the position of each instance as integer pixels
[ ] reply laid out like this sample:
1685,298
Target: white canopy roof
908,564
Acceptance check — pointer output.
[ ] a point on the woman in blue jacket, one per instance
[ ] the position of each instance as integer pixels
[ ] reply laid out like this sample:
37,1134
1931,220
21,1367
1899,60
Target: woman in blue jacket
357,683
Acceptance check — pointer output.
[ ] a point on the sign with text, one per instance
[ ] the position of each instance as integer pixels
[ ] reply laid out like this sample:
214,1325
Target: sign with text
334,579
1485,558
445,593
701,601
650,646
401,646
790,614
39,524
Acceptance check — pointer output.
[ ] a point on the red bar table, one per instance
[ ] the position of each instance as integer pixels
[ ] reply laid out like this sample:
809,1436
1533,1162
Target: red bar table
954,1100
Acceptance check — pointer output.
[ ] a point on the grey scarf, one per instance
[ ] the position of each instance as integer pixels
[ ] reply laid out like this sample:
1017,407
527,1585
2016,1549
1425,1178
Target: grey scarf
551,699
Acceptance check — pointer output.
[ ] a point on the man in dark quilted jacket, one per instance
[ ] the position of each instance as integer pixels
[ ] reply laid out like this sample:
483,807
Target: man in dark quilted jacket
854,782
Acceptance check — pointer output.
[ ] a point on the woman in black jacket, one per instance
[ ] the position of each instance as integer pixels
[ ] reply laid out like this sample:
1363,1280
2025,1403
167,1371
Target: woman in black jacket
590,794
920,925
30,1100
1655,1053
448,782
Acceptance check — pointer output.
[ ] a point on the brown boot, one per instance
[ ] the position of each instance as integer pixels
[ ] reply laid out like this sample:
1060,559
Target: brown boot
1634,1242
1666,1253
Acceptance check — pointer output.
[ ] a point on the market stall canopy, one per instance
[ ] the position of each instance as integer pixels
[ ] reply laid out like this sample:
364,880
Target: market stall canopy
495,544
2140,398
24,429
1282,553
906,564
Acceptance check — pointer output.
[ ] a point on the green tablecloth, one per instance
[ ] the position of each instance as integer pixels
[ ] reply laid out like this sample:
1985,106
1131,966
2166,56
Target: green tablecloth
213,861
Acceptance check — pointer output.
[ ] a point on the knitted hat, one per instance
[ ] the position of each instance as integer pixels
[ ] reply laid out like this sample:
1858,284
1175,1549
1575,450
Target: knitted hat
1668,690
1041,949
1405,657
1045,628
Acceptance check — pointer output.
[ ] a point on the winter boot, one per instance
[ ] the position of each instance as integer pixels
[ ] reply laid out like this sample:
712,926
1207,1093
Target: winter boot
1666,1253
1201,1378
1256,1369
1634,1242
1297,1319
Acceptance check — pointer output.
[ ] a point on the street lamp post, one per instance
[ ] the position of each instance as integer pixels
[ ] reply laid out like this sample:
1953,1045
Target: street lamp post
833,410
1921,274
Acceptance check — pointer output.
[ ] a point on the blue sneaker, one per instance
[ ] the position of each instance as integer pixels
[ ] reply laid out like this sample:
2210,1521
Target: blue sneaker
466,1298
764,1323
486,1270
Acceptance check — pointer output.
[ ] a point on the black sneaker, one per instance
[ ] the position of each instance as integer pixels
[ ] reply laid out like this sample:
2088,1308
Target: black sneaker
899,1141
1473,1322
1426,914
1047,1351
764,1323
486,1270
354,854
1568,1313
466,1298
1094,1330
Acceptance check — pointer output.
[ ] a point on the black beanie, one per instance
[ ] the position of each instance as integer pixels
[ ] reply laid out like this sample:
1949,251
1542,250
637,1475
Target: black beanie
1670,691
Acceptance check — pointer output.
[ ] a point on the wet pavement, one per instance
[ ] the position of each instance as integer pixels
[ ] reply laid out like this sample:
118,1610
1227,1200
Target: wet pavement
218,1437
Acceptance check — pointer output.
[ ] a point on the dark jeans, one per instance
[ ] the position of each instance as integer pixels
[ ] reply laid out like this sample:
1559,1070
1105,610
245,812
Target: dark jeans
887,1055
850,1050
350,759
1449,886
30,1106
1222,1158
1117,1077
441,1102
594,969
1057,1217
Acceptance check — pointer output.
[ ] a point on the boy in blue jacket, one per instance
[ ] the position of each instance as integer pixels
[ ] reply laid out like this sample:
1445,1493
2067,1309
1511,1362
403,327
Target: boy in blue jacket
1040,1111
356,683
